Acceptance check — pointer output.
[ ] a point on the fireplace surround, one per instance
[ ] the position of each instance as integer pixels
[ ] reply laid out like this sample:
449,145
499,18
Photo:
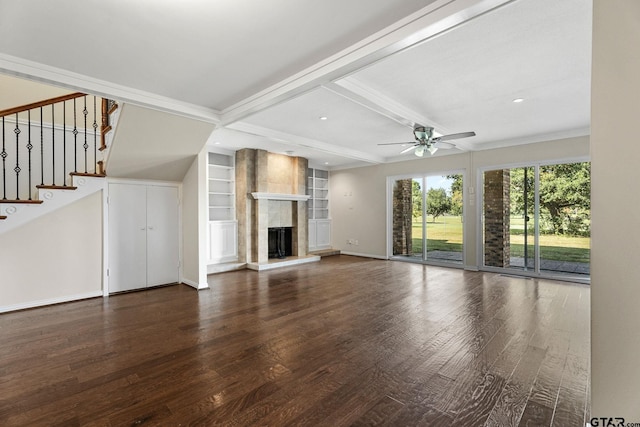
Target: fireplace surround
270,192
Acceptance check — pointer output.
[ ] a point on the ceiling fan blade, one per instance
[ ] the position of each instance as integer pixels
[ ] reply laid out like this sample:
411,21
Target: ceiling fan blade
454,136
445,145
397,143
409,149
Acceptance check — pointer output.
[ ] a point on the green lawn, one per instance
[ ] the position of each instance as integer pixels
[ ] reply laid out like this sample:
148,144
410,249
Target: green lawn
446,235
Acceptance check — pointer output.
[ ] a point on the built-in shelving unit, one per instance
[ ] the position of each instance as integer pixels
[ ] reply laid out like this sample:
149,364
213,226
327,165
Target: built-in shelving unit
318,205
222,197
223,227
318,189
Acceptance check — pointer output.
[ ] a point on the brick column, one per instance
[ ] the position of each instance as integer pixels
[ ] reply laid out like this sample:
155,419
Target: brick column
402,217
496,218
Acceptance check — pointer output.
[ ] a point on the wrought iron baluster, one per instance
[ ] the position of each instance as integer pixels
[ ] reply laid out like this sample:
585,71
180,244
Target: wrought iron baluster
75,138
17,168
85,145
3,154
95,136
29,147
64,143
53,145
41,150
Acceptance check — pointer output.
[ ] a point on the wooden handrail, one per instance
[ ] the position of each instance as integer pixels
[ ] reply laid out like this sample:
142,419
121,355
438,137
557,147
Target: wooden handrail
39,104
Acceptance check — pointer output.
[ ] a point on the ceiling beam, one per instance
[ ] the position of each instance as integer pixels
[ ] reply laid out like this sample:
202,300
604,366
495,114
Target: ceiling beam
356,91
432,20
299,141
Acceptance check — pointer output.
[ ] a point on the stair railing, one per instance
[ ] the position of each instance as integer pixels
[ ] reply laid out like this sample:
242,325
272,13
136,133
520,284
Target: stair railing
20,151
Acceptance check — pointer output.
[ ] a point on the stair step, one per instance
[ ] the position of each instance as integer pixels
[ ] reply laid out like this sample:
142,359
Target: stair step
96,175
56,187
24,202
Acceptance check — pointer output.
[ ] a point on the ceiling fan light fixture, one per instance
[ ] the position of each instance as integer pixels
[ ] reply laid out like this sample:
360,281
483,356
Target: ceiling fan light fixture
419,151
432,149
423,133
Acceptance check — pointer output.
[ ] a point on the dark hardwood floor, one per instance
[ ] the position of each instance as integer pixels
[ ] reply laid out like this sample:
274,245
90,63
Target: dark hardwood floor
347,341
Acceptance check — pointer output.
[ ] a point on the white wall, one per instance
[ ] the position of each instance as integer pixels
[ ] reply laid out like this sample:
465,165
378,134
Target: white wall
151,144
358,196
615,234
57,257
194,223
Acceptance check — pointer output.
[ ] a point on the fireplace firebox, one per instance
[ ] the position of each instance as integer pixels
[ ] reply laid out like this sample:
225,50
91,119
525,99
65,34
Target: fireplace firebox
280,242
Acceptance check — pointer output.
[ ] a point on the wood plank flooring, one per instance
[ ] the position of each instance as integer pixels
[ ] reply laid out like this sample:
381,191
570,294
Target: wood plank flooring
346,341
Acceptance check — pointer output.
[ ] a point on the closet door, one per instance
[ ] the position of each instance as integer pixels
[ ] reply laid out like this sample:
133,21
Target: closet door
162,235
127,237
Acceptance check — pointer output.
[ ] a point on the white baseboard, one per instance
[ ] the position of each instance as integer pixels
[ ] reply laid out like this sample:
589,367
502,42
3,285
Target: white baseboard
195,285
471,268
224,267
363,255
50,301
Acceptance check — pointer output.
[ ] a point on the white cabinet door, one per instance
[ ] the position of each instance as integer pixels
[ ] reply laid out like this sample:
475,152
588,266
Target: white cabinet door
323,234
143,236
312,235
223,241
127,237
162,235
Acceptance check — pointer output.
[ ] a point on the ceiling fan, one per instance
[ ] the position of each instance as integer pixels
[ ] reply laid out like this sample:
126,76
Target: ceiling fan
426,142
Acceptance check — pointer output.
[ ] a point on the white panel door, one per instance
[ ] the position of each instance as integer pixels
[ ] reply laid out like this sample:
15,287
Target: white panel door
162,235
127,237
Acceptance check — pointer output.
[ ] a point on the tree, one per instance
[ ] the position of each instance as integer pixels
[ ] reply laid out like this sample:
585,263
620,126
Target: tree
438,203
456,203
565,197
456,194
416,200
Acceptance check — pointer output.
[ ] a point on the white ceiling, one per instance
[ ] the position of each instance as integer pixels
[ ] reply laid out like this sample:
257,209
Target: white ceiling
266,71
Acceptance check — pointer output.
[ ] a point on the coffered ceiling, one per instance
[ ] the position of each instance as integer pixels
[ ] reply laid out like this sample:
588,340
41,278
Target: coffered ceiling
267,71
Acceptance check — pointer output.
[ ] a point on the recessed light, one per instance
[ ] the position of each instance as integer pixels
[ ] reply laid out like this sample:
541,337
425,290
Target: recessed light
518,100
216,143
326,163
323,117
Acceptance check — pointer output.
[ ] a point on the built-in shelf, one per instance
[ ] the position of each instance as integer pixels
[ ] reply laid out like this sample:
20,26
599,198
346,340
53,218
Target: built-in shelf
223,227
318,191
318,205
221,180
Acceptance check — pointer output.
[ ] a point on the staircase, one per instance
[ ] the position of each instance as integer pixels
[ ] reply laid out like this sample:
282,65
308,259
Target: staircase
52,152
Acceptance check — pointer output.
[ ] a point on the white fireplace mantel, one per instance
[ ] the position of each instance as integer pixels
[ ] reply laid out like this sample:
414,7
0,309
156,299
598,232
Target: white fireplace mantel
281,196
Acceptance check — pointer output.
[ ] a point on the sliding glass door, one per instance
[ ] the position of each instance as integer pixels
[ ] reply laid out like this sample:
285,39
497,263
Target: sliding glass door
427,217
537,220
